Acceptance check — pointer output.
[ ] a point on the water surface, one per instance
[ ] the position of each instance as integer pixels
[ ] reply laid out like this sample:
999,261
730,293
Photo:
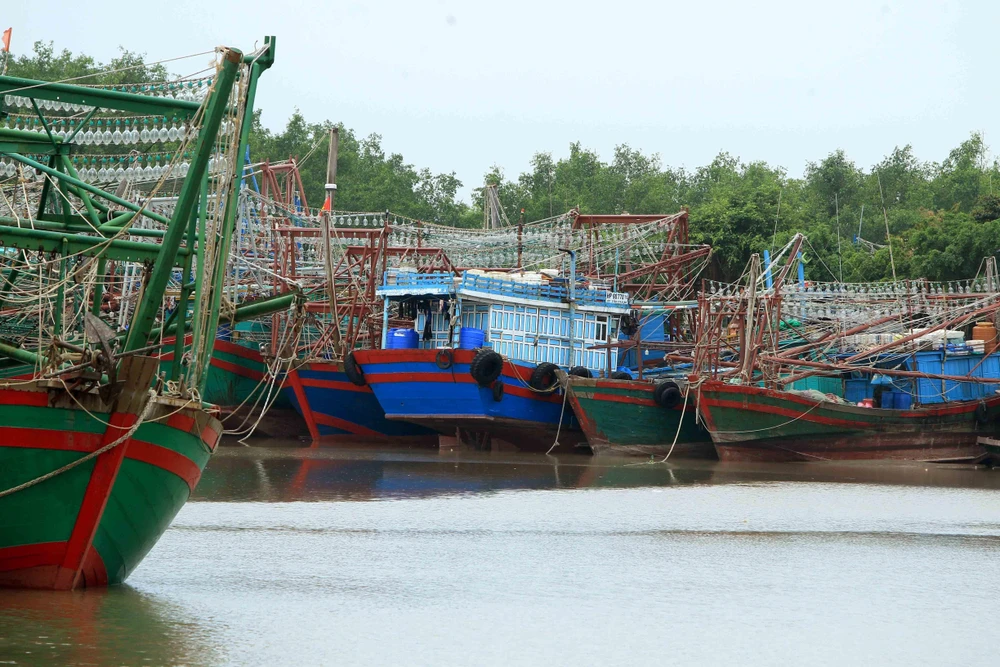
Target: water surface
301,557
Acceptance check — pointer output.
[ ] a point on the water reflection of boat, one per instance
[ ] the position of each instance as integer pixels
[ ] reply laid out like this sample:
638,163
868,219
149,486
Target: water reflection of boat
116,626
323,474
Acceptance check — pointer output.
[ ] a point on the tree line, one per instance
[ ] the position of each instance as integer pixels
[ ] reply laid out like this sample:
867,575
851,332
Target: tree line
940,218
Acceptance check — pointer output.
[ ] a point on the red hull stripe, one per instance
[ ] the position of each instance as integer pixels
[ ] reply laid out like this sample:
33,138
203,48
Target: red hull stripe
238,350
43,438
236,369
789,412
181,422
619,398
166,459
77,441
333,384
168,343
510,370
31,555
95,498
409,356
300,397
344,425
35,398
210,437
94,573
728,390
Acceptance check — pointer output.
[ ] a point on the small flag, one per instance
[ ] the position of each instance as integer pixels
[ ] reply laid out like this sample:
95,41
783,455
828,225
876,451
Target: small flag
6,39
326,204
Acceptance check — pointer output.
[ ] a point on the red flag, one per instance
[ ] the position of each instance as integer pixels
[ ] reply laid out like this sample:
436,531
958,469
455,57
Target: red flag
326,204
6,39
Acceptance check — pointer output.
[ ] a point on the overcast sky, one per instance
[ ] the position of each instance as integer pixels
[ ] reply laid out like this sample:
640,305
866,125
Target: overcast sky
460,86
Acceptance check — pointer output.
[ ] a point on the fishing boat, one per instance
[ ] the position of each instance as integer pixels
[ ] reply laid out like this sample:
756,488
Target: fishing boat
340,260
758,424
827,372
339,411
485,353
99,446
639,417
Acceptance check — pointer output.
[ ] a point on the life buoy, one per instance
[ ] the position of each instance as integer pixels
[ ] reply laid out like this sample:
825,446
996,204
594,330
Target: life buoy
444,359
498,391
353,371
486,367
581,372
543,378
667,394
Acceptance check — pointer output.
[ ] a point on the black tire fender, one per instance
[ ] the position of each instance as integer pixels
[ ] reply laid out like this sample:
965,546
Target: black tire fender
486,366
667,395
353,371
620,375
444,359
543,378
498,391
982,414
581,372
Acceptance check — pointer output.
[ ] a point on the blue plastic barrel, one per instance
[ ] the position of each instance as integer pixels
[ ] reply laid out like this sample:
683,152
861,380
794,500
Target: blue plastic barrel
402,339
902,400
469,338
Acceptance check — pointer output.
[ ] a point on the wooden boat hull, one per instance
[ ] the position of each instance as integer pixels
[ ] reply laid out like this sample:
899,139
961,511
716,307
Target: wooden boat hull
621,417
756,424
339,411
93,524
411,387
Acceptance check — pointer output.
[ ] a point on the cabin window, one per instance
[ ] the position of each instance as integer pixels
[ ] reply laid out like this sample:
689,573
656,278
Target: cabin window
602,329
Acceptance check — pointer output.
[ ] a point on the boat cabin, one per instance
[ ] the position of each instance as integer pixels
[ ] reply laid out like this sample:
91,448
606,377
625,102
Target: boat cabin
523,317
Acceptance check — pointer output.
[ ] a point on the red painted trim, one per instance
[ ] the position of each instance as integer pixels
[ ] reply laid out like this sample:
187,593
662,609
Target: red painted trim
618,398
169,342
587,425
31,555
409,356
334,384
929,411
788,412
93,573
377,357
236,369
237,350
181,422
295,382
44,438
210,437
186,423
33,398
165,459
344,425
521,391
95,498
